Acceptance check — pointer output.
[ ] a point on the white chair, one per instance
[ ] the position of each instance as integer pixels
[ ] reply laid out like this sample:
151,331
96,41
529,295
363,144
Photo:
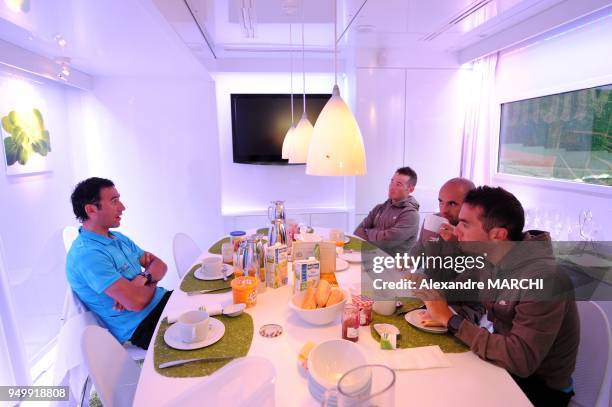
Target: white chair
73,306
593,374
115,375
253,375
69,234
185,251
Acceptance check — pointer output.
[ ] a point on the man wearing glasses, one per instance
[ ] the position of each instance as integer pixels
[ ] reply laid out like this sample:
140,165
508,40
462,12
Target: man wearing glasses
396,219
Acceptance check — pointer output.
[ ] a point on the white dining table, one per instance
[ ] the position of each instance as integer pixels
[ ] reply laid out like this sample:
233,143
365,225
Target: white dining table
469,381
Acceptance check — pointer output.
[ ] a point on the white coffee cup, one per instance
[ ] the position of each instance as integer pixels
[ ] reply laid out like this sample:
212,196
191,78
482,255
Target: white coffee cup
434,222
384,307
211,266
193,326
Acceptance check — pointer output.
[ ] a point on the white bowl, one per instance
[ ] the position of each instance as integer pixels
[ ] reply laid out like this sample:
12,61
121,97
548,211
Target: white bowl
328,361
317,316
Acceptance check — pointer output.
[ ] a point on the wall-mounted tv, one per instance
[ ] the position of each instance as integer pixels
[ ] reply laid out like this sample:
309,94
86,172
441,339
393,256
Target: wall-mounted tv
260,122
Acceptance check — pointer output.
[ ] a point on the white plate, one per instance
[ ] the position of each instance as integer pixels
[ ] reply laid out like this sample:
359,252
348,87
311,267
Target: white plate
341,264
347,239
413,319
199,273
216,330
351,257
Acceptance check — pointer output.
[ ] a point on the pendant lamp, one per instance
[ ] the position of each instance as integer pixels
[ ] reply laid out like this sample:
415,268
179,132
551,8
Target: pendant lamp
302,134
287,141
337,146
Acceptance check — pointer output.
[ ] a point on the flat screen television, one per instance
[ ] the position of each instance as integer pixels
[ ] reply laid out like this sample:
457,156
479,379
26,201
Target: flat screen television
260,122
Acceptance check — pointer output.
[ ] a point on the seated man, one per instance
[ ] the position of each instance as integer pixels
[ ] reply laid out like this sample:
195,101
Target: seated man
450,199
397,219
104,267
535,336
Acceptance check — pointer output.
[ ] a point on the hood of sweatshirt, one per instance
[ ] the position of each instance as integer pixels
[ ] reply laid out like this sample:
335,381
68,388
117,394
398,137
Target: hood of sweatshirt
408,202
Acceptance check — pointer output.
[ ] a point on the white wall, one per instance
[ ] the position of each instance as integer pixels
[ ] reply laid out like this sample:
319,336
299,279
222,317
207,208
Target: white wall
157,140
247,187
35,208
409,114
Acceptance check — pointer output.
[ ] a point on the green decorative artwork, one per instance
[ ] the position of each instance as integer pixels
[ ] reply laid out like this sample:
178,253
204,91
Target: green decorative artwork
26,142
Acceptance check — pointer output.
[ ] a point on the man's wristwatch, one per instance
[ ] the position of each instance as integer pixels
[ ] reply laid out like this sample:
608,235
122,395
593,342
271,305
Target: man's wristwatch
148,276
454,323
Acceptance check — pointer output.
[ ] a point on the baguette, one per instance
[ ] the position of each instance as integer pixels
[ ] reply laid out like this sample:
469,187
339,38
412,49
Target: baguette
335,297
430,323
323,293
309,298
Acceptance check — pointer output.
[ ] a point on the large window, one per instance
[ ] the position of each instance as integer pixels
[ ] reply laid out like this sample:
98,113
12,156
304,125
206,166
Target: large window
567,136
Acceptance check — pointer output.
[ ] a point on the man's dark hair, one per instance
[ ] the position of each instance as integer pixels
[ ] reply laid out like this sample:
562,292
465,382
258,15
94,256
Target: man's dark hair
409,172
500,209
88,193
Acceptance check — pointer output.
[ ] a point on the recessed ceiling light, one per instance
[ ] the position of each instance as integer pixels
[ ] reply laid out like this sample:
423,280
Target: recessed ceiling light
60,40
18,5
365,28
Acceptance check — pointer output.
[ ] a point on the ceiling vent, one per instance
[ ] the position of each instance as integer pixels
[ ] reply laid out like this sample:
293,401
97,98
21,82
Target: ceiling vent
466,13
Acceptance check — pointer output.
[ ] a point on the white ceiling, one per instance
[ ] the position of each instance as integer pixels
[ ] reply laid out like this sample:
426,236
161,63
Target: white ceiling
217,28
148,37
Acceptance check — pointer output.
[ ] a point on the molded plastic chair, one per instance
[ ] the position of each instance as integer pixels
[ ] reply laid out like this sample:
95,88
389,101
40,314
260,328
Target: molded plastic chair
593,374
69,234
185,251
253,375
114,373
73,306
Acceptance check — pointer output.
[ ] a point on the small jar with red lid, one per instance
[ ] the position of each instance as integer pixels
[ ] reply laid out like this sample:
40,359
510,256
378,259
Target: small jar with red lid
350,323
365,309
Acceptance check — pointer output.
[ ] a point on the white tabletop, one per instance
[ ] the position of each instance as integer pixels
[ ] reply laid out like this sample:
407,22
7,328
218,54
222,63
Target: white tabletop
469,381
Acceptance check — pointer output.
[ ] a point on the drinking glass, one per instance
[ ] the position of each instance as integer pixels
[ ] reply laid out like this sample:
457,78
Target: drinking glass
368,385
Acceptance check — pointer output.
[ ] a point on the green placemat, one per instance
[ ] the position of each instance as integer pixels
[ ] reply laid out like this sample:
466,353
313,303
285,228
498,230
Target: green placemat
216,247
235,342
353,244
411,337
190,283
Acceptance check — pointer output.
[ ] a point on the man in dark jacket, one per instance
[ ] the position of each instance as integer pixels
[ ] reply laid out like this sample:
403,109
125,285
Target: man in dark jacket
396,219
536,332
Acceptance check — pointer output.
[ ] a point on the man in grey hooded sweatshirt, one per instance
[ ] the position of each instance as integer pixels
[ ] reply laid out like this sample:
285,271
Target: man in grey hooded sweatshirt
396,219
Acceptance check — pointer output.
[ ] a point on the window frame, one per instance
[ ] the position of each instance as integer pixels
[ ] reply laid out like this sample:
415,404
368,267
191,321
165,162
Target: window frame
558,184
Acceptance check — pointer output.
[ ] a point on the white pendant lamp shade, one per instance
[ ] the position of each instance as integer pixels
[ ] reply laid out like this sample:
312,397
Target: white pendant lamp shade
336,147
287,143
300,141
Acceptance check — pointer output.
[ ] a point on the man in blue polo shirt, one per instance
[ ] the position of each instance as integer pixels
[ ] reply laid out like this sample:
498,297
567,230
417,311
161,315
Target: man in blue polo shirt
105,269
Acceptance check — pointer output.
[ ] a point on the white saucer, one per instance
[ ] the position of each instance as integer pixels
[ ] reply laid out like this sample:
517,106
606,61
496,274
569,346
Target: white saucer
351,257
413,319
199,273
216,330
341,264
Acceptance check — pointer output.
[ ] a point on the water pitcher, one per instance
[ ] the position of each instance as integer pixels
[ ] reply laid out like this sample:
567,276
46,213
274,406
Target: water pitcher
247,258
276,211
277,232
